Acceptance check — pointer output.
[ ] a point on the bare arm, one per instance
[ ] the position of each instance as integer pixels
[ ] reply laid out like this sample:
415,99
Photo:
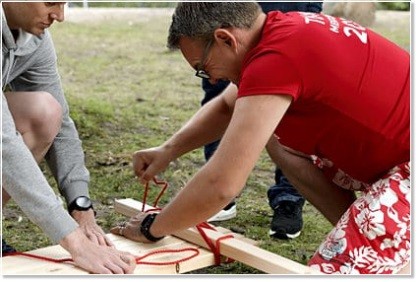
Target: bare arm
252,124
207,125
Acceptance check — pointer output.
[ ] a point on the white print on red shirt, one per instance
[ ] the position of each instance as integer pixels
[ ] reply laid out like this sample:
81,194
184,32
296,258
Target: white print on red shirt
349,28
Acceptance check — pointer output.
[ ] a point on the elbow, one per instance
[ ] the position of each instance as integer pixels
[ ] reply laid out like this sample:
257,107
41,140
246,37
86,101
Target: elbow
223,189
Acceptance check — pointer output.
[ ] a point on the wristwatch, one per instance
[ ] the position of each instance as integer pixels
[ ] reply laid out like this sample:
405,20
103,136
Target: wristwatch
146,225
81,203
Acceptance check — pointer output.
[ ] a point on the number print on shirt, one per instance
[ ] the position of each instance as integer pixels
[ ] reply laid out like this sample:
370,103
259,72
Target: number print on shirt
349,28
352,28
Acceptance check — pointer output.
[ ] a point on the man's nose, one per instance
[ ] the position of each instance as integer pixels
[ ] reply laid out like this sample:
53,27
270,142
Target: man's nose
58,15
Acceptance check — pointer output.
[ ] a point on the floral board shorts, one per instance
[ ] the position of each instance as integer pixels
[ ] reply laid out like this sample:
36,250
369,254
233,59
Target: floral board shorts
373,236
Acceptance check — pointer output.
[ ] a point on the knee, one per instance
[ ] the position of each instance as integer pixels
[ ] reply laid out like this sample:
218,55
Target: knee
46,120
4,197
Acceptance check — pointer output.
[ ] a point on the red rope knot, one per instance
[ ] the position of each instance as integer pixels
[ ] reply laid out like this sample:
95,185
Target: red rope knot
215,248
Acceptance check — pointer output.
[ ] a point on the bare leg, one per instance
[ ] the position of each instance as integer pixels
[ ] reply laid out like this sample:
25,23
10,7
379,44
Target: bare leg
405,270
37,116
331,200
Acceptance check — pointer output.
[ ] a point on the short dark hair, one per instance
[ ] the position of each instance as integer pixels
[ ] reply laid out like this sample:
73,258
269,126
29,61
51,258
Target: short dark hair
200,19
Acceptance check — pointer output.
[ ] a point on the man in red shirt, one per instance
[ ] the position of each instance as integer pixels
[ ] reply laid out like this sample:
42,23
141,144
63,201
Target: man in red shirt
337,97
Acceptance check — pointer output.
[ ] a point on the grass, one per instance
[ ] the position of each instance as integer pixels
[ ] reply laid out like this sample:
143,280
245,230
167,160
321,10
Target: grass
127,92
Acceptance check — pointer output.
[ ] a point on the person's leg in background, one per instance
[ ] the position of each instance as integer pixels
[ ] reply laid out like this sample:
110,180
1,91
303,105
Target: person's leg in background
211,91
287,205
284,199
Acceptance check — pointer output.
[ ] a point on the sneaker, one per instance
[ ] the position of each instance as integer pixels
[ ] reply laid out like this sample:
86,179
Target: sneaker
287,220
6,249
228,212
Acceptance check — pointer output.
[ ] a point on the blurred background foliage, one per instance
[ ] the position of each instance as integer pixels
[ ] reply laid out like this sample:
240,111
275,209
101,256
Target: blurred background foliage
398,5
394,5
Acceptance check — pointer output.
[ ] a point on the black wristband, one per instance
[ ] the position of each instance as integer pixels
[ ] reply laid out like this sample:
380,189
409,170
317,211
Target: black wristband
146,225
81,203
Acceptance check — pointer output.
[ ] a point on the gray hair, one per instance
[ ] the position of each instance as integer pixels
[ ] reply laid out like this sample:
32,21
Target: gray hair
200,19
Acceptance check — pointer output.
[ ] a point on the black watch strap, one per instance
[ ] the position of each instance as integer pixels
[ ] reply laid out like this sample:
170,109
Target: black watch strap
81,203
146,225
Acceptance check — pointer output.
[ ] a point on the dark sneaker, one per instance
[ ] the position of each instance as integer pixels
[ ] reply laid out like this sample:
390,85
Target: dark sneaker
228,212
6,249
287,220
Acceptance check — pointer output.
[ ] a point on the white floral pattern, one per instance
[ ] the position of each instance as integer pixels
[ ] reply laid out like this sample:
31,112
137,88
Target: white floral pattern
371,223
373,236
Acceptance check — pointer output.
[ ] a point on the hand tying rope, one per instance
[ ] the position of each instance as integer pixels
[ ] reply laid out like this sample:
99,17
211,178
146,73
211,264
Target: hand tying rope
214,247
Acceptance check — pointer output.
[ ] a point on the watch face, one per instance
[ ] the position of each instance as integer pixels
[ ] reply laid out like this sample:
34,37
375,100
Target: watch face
83,202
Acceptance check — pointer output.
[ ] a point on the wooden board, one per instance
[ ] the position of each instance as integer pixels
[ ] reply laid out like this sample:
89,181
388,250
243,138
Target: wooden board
238,248
233,248
21,265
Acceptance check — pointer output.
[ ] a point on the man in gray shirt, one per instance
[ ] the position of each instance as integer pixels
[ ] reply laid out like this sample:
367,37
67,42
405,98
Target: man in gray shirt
36,125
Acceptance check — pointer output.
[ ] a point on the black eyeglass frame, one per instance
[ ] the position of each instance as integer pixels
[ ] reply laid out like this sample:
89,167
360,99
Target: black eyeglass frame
201,73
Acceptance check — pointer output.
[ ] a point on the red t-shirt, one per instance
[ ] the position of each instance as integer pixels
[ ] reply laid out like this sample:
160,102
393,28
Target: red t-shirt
350,90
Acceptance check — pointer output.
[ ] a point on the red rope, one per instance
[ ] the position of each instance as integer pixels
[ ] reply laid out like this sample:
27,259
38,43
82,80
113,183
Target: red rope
165,185
194,254
215,248
138,260
39,257
146,188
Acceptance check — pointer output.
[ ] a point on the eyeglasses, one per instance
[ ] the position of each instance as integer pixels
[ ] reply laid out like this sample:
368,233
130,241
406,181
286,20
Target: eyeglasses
200,71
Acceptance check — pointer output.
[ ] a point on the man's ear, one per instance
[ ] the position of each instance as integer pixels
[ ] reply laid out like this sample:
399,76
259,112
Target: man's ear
225,37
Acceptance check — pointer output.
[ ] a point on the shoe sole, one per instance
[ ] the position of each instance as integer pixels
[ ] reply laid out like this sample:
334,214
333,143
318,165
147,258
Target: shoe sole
224,215
288,236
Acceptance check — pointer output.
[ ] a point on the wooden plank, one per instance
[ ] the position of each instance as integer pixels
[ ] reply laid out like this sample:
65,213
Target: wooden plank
21,265
131,207
233,248
241,237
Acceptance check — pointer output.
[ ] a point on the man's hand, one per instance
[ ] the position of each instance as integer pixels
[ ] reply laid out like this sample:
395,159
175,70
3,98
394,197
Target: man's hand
88,225
148,163
131,229
97,259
